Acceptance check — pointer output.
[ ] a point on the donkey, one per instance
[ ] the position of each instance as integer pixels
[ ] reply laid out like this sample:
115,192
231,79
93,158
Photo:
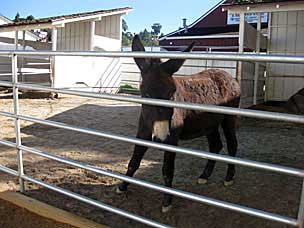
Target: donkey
295,103
168,125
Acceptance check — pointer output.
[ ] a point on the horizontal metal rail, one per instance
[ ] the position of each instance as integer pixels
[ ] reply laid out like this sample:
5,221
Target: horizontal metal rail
8,170
176,55
179,193
172,104
87,200
165,147
97,203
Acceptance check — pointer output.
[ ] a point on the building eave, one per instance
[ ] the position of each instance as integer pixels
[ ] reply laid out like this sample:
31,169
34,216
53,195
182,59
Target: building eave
264,7
60,21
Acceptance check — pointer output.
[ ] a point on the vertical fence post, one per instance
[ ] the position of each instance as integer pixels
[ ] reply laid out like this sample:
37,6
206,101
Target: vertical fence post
17,120
301,209
256,64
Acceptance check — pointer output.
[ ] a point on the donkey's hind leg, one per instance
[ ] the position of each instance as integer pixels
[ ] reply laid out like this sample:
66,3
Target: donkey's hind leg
215,146
229,128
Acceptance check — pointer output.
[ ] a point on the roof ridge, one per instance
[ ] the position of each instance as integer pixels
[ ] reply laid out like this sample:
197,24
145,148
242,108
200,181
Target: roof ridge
197,20
67,16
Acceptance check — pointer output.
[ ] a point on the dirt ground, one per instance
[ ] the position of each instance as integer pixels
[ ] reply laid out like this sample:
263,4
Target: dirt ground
12,216
267,141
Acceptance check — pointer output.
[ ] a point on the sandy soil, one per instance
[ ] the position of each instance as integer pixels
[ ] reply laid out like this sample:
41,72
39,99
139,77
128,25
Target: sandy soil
267,141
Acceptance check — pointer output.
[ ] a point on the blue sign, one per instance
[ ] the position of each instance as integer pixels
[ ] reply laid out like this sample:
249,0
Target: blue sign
234,18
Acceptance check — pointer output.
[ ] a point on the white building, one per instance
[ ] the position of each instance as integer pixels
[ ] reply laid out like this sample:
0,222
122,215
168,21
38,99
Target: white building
89,31
285,37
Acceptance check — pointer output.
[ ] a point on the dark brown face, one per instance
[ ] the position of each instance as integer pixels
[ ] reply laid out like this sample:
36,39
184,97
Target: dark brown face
157,83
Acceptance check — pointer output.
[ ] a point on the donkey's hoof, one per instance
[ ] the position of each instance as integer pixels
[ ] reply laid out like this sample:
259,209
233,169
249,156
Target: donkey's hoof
166,209
202,181
119,191
228,183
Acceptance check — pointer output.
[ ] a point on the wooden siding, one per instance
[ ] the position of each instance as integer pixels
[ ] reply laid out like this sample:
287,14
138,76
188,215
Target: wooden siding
216,18
217,42
74,37
109,27
287,38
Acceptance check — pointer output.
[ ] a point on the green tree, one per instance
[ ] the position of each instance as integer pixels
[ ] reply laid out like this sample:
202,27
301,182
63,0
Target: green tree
127,36
124,25
18,18
30,18
146,37
156,27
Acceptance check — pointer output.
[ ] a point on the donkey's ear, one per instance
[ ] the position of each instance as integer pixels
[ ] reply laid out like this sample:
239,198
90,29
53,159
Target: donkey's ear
142,63
173,65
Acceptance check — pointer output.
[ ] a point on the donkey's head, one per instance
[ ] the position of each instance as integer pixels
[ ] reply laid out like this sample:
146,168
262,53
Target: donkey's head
157,82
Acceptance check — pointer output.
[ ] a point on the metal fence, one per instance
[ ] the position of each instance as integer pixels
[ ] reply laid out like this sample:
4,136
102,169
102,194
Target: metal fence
297,222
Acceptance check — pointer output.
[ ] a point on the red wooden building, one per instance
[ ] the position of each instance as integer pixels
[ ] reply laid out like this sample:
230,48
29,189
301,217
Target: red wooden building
213,31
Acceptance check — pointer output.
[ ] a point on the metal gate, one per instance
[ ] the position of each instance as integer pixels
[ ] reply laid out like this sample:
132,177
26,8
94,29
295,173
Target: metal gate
297,222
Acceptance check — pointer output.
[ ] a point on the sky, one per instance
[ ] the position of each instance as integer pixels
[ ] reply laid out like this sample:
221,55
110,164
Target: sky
168,13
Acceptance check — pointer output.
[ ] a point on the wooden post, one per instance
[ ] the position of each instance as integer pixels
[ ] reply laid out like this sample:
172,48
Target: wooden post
256,66
16,40
23,39
241,46
92,34
54,39
54,48
268,51
22,58
120,28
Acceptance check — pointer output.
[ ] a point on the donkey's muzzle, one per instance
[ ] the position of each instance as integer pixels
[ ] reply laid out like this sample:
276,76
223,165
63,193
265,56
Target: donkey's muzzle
160,132
156,139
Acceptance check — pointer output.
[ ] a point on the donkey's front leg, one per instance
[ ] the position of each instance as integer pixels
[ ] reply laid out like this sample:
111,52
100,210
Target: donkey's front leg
139,151
168,173
134,164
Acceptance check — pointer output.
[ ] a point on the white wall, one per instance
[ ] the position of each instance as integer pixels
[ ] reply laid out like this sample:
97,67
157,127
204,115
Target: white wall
103,43
85,73
287,38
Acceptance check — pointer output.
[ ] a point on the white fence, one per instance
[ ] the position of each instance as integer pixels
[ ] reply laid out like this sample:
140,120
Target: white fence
30,69
130,75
